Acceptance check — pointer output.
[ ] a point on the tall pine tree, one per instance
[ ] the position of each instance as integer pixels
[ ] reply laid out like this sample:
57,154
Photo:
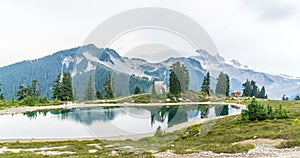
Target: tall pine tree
262,93
56,89
174,82
206,84
137,90
108,89
22,92
179,79
1,94
99,95
66,87
227,85
62,89
250,89
247,89
254,88
223,84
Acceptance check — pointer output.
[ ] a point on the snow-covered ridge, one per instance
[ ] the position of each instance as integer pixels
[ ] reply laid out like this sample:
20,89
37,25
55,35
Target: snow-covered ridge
236,64
275,85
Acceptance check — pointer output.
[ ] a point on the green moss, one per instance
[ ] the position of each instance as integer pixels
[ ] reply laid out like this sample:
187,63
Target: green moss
289,144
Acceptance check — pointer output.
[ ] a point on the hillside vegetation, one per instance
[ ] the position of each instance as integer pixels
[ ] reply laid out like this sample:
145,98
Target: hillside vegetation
215,135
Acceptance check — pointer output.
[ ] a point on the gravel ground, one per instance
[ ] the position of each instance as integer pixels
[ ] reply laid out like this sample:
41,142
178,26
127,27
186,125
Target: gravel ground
263,148
257,152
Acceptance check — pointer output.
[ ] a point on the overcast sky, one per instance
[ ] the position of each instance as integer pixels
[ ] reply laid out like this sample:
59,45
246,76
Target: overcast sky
263,34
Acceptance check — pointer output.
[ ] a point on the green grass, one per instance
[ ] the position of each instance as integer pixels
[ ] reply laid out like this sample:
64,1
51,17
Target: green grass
218,136
141,98
80,149
215,135
5,104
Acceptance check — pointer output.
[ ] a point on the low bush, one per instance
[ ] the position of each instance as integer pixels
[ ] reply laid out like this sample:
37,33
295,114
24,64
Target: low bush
159,132
237,148
257,111
30,100
141,98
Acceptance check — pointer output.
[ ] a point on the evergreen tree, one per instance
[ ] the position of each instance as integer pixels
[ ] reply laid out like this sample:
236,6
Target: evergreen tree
262,93
179,79
99,95
137,90
297,97
174,82
1,94
66,87
203,86
62,89
108,89
206,84
34,88
284,97
21,93
254,88
28,91
56,89
90,94
247,89
223,84
227,85
250,89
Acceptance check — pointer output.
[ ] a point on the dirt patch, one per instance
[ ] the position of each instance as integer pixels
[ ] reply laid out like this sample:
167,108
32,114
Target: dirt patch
261,141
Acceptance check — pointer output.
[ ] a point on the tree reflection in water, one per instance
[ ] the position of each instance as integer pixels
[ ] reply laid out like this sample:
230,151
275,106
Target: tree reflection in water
172,114
179,114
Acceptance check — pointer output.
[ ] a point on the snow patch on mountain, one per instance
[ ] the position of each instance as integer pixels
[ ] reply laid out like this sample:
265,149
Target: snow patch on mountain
90,67
90,57
275,85
236,64
78,60
289,77
67,60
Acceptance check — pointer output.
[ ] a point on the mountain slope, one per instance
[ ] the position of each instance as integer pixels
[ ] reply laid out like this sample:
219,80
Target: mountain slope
100,63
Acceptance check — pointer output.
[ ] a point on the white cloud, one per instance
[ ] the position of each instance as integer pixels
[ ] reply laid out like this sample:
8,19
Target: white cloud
263,34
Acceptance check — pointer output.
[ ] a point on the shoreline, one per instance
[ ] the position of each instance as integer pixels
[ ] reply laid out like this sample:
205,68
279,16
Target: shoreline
18,110
133,137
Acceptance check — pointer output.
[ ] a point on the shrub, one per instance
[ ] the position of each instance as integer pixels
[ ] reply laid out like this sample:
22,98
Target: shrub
289,144
237,148
30,101
43,100
281,113
159,132
203,97
141,98
257,111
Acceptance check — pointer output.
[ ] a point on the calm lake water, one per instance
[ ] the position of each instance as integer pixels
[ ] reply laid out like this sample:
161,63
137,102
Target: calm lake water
104,121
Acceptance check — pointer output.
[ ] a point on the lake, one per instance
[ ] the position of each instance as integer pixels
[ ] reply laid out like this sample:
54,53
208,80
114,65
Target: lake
104,121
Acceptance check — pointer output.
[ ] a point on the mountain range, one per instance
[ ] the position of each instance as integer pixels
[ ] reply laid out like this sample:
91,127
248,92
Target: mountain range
99,63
